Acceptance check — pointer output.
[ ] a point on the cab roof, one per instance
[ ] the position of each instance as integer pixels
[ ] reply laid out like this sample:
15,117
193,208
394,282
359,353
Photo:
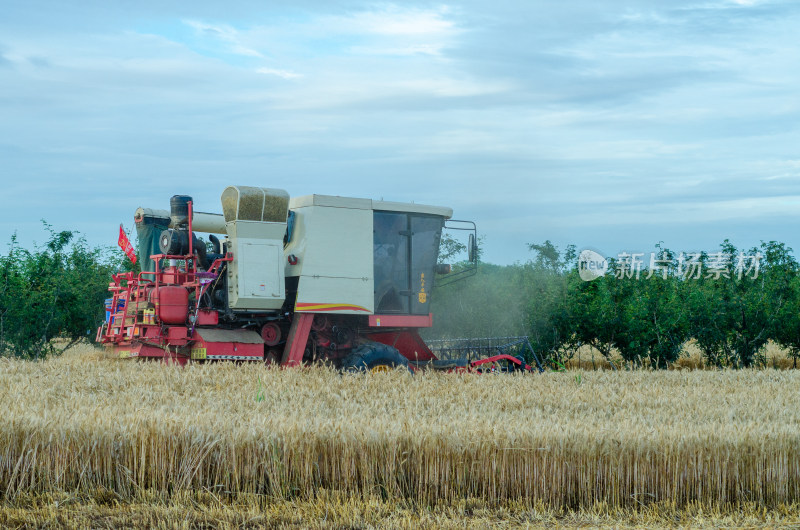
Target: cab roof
334,201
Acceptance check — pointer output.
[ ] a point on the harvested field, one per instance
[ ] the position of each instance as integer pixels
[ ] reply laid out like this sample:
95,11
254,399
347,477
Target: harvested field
624,440
339,511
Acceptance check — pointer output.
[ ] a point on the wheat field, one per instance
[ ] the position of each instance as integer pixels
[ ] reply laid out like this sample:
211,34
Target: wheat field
84,423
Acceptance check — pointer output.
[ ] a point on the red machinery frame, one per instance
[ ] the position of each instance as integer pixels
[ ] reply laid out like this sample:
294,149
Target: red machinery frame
132,333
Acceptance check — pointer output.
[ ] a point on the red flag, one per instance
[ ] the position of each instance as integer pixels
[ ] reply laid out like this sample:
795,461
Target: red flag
126,246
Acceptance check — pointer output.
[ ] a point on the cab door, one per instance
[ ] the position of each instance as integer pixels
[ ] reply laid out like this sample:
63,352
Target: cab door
426,232
391,262
406,247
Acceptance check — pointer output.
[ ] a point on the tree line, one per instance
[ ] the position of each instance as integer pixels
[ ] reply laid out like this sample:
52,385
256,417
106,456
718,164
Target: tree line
52,297
646,314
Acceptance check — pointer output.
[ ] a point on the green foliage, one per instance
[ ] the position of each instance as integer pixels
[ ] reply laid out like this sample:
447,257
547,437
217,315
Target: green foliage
519,299
547,305
651,322
52,296
781,284
549,258
746,306
54,291
596,311
733,316
485,305
450,248
786,325
730,309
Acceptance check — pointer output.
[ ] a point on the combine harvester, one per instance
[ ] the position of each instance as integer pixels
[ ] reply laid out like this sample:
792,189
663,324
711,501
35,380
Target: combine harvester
336,280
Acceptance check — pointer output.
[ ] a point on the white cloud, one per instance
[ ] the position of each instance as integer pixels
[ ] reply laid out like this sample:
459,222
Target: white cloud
786,169
651,17
226,34
417,49
660,109
394,20
394,30
285,74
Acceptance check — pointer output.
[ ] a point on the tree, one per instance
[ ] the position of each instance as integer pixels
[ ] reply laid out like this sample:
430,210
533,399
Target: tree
744,300
732,303
450,248
707,316
55,291
748,311
596,309
782,285
656,322
547,311
485,305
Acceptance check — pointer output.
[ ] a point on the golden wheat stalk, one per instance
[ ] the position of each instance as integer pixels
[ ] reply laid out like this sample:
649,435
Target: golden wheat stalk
82,422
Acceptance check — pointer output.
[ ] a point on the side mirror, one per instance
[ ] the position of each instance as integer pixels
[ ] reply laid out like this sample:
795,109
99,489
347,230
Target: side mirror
472,249
453,246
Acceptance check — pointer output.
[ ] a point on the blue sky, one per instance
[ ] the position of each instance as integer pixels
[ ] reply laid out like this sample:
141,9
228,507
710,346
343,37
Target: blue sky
611,125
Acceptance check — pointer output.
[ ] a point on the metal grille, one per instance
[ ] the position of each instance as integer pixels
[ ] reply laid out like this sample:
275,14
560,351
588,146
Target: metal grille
482,347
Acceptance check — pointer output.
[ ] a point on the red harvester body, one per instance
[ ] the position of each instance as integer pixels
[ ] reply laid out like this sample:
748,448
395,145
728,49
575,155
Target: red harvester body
340,281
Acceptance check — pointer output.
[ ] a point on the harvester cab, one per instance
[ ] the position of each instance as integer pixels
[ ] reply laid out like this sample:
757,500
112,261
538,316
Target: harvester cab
337,280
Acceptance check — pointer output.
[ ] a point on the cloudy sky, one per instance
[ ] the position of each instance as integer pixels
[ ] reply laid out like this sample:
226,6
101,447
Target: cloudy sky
613,125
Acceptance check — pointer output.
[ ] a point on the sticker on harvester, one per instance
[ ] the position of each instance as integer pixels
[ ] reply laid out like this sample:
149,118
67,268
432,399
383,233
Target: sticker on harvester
198,354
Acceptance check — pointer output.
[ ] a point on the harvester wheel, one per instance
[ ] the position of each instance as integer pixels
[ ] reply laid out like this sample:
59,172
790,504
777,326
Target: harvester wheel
273,356
271,333
374,357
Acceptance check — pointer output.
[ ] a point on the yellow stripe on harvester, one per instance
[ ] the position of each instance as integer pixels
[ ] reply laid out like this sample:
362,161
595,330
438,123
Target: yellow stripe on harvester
303,306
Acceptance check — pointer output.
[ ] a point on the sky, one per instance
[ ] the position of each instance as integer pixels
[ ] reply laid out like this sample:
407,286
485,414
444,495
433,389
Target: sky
607,125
